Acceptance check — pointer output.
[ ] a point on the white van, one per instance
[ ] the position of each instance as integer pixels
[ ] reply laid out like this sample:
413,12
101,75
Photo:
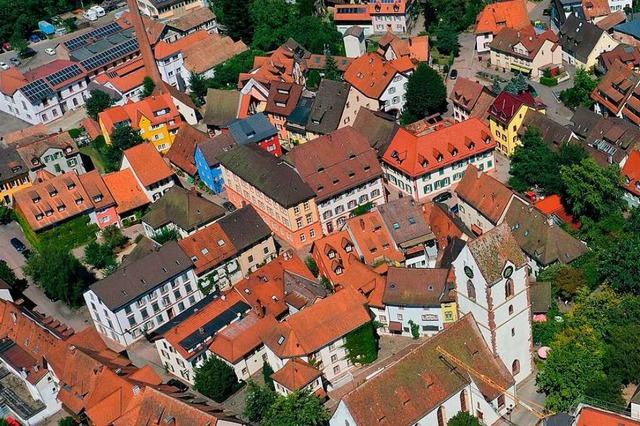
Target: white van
90,15
100,12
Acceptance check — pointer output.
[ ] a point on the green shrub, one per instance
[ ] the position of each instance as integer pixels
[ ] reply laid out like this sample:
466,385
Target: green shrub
549,81
75,133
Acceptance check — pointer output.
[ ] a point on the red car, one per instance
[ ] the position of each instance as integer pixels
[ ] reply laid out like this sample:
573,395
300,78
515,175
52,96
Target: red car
6,46
531,195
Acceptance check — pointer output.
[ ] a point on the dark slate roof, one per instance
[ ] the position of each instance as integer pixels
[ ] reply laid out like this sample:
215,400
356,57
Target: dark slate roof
584,120
215,146
128,283
377,127
11,164
578,38
301,112
540,294
300,291
405,222
252,129
270,175
186,209
553,133
539,237
328,106
244,227
222,107
560,419
416,286
451,252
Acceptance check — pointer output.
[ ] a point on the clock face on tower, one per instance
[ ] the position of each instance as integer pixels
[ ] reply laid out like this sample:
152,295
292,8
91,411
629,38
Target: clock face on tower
508,271
468,272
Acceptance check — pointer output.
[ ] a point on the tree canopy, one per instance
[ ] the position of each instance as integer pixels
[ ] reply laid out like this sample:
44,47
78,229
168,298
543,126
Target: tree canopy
232,14
148,87
259,400
216,379
18,19
533,163
463,419
446,40
67,281
97,102
591,190
100,256
426,94
580,94
297,408
226,75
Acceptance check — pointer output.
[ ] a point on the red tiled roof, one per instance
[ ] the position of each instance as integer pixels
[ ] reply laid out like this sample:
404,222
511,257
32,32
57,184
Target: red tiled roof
53,201
37,131
318,325
242,337
484,193
372,238
595,8
97,190
336,162
296,374
125,190
265,286
416,287
445,143
279,66
283,98
92,127
495,16
182,151
164,50
590,416
126,77
209,246
631,173
527,37
417,384
370,74
133,112
507,105
11,80
552,205
154,28
616,87
203,55
147,163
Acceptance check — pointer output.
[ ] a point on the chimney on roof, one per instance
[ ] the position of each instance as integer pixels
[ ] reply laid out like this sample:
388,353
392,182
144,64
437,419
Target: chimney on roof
362,224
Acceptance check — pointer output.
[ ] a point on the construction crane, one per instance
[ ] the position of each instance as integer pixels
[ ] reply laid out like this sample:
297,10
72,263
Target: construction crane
537,410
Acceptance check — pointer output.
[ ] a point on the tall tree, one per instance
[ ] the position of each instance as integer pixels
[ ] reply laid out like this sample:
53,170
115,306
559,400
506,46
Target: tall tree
271,20
306,7
295,409
259,400
216,379
226,75
98,101
331,71
533,163
620,266
463,419
316,35
571,153
591,190
580,94
66,281
446,40
125,137
99,256
198,84
148,86
233,17
426,94
267,371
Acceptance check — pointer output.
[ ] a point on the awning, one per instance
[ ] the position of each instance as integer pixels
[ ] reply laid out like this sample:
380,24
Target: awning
521,69
395,326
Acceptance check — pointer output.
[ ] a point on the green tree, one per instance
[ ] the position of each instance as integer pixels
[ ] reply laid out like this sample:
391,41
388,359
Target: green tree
113,237
125,137
259,400
331,71
622,358
313,79
312,265
446,40
619,264
148,86
270,19
591,190
267,371
7,274
99,256
67,421
6,214
295,409
216,379
571,153
316,35
232,14
429,14
426,94
496,88
306,7
580,94
67,281
533,163
198,84
97,102
166,235
463,419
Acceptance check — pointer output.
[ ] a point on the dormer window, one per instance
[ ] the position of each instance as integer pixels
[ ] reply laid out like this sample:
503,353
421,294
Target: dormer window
97,198
71,185
53,192
79,200
332,254
348,248
16,169
35,161
339,270
36,199
440,158
221,243
39,216
61,208
49,212
454,152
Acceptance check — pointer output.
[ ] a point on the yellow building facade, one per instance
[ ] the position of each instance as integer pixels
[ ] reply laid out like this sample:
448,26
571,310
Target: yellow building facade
506,116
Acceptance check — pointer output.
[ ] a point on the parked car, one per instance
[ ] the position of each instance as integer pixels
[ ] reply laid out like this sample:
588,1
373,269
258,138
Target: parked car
15,62
18,245
6,46
34,38
229,206
178,384
441,198
4,66
546,12
50,51
453,74
27,53
531,196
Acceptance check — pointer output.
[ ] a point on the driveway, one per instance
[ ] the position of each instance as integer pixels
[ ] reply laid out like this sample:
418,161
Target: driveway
10,255
9,123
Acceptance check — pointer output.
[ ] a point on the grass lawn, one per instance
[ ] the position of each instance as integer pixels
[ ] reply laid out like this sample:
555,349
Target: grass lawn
95,157
71,234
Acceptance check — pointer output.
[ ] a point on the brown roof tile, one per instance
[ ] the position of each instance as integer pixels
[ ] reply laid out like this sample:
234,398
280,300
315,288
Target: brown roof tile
370,74
373,239
416,287
147,163
492,251
283,98
241,338
208,248
484,193
182,151
296,374
125,190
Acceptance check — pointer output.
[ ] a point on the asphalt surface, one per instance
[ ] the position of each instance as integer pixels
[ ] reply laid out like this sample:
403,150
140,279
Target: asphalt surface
10,255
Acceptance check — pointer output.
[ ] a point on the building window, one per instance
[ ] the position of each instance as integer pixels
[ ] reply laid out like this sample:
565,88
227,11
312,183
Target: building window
513,332
303,238
399,317
442,416
312,233
510,309
515,367
336,369
471,290
296,210
500,401
508,288
334,358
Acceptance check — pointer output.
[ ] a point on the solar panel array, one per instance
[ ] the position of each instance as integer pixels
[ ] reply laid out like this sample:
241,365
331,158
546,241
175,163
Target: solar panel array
64,74
352,10
110,55
98,33
215,325
37,90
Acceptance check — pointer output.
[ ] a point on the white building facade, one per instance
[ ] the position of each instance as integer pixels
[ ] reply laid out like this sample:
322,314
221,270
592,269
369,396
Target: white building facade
335,211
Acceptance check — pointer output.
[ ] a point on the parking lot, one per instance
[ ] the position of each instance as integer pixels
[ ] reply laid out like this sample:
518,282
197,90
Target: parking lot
10,255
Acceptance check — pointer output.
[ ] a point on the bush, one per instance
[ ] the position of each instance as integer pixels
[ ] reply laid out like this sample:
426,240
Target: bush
75,133
549,81
312,265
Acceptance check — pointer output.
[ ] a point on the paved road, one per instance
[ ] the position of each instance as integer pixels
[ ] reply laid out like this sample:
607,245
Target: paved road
9,123
10,255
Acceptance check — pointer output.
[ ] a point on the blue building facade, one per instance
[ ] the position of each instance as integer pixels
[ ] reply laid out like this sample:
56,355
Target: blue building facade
208,165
